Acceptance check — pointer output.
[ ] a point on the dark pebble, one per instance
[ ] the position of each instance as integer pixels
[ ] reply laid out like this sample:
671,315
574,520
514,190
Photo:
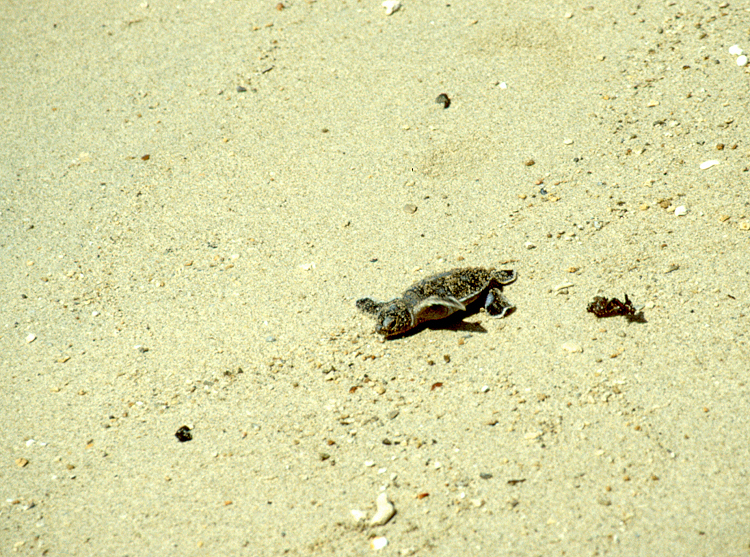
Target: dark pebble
183,434
443,99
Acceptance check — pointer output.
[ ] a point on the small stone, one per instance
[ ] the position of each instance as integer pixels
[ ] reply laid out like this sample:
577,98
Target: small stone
391,6
708,164
385,511
680,211
572,347
184,434
529,245
742,61
735,50
533,435
378,543
567,142
31,337
443,99
22,462
358,516
410,208
530,162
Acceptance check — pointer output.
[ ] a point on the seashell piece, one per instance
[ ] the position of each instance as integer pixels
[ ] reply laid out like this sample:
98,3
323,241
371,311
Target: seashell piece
735,50
378,543
385,511
391,6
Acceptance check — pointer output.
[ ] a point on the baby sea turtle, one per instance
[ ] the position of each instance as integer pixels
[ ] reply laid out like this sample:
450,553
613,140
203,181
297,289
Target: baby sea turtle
439,296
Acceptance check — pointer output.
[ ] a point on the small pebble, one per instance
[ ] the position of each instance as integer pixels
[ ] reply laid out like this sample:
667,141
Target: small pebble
735,50
572,347
443,99
270,338
568,142
358,516
391,6
378,543
708,164
680,211
742,61
385,511
529,245
410,208
564,285
31,337
184,434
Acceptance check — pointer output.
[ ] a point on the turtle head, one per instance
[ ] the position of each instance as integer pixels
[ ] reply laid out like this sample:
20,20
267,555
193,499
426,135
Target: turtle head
395,318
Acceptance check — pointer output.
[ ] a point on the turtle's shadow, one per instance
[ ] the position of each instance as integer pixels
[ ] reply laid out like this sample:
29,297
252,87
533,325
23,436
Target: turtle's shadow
453,323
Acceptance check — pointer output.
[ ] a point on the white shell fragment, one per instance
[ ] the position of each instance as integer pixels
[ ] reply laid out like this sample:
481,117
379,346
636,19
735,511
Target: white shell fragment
31,337
563,286
742,60
391,6
572,347
680,211
378,543
735,50
708,164
385,511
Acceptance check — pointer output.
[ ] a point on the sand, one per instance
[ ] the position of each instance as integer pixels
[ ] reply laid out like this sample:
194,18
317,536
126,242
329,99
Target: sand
194,194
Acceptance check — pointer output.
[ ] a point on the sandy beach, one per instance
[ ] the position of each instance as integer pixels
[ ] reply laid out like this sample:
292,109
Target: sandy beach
194,194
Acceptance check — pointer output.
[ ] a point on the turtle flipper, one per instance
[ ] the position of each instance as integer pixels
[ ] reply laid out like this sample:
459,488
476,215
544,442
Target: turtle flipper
436,307
497,305
369,306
